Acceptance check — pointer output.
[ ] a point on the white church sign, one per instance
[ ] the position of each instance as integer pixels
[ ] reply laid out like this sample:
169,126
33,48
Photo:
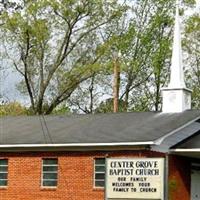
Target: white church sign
135,178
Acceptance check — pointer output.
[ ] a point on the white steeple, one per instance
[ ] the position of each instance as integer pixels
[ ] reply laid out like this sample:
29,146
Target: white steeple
177,74
176,97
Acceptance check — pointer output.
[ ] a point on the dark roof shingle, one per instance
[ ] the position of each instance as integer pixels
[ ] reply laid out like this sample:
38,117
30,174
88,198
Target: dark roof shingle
98,128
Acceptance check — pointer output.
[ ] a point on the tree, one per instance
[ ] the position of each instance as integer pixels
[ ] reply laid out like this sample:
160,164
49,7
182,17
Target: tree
85,97
157,35
159,60
12,109
144,39
191,47
10,6
65,49
53,45
106,106
149,39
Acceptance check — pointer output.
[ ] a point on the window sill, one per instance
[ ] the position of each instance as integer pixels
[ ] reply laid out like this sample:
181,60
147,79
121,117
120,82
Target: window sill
48,188
98,189
3,187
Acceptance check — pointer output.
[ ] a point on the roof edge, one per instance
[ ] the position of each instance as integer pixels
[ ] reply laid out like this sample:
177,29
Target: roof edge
185,150
161,139
76,144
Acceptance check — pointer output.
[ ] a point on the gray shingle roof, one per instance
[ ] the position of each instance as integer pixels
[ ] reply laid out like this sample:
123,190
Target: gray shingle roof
191,143
183,134
99,128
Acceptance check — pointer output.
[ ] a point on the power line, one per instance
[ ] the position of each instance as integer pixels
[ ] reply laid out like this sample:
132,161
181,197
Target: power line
47,129
51,142
44,135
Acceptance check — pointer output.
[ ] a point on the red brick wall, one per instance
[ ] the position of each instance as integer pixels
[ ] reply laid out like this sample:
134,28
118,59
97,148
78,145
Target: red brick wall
75,175
179,178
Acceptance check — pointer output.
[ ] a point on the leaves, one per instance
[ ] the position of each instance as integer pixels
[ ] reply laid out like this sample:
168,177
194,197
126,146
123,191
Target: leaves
64,51
54,46
191,46
12,109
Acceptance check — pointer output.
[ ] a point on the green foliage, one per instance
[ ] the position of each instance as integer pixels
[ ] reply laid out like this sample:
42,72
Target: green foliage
191,46
172,187
65,51
63,109
107,106
13,109
55,46
189,2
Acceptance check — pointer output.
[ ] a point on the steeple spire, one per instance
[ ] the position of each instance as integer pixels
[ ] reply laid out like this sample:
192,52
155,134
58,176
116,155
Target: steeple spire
177,74
176,97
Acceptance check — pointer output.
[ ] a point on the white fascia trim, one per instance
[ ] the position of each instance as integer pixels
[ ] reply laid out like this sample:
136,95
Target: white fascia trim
160,140
76,144
185,150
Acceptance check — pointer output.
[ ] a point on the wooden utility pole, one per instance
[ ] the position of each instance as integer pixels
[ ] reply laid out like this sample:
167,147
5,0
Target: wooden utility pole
116,84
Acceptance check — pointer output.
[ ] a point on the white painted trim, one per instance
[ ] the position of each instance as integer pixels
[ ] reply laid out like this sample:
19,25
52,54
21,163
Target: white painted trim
160,140
185,150
77,144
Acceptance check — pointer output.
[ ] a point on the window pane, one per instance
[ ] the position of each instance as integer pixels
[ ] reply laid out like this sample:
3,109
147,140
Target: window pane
99,172
50,168
3,172
50,176
3,162
3,176
3,182
100,161
99,183
50,161
3,168
100,176
100,168
49,183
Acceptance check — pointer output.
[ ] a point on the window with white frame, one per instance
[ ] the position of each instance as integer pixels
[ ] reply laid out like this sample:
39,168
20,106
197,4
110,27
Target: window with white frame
49,172
3,172
99,172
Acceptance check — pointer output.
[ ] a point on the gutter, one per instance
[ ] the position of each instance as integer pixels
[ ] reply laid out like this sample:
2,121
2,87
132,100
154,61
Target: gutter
186,150
113,144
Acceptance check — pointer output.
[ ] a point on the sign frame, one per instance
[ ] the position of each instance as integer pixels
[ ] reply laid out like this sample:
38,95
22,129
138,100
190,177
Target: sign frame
161,159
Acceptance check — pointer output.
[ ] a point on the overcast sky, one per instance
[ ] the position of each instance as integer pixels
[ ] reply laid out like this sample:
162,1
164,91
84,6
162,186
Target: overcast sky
8,84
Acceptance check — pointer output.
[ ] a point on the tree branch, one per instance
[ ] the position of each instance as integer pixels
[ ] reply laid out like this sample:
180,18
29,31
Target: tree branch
24,60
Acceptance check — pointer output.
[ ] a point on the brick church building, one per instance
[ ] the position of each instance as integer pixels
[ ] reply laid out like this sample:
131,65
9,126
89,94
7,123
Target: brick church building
126,156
